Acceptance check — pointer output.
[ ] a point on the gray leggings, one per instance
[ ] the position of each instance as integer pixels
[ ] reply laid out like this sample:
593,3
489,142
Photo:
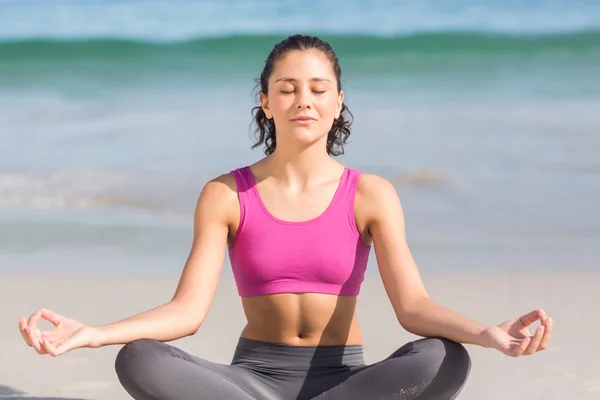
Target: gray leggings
431,368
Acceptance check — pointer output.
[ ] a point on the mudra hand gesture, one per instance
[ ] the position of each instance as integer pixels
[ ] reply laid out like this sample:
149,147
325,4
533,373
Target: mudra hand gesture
514,339
66,335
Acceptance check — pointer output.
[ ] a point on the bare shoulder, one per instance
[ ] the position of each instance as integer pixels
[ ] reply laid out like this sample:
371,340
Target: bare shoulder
218,196
376,190
377,198
222,185
372,185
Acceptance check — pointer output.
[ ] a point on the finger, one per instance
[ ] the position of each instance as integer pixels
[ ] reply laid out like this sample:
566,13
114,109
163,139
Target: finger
547,335
35,341
531,317
50,348
55,349
51,316
34,319
535,341
543,316
22,327
521,348
30,336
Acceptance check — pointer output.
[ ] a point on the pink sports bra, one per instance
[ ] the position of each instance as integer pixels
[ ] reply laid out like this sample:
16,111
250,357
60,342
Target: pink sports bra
323,255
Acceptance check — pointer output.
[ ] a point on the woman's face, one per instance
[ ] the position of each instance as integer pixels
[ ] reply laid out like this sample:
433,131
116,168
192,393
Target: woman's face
303,98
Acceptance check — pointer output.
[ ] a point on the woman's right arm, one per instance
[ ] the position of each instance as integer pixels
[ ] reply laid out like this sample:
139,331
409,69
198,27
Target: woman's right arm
183,315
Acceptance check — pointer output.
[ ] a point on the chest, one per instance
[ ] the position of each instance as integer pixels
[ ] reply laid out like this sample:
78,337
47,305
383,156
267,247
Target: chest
296,253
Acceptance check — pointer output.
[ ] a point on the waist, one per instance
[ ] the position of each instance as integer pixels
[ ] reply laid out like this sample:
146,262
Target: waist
302,319
297,358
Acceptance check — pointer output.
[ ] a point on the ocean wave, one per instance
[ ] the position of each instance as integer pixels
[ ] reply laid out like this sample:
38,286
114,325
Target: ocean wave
202,49
162,20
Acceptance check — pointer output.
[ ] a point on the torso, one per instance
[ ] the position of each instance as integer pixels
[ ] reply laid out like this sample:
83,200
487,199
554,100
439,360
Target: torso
306,319
302,319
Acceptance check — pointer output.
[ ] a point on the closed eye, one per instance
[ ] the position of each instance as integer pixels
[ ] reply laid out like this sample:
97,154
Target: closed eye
292,91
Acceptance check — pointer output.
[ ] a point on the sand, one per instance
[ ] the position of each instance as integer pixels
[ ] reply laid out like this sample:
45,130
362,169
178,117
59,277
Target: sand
568,370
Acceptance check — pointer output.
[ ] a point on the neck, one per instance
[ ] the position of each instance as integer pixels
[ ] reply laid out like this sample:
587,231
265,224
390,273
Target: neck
300,166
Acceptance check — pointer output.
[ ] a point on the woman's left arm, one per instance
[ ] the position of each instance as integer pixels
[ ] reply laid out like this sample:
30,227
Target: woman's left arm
415,310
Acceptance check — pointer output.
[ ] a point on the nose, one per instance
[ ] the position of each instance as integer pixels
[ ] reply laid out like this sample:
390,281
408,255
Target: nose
303,99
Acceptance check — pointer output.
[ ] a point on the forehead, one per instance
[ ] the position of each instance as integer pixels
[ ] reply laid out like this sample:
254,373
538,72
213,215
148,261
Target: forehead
303,64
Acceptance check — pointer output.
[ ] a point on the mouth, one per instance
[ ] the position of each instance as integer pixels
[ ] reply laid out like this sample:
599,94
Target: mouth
303,120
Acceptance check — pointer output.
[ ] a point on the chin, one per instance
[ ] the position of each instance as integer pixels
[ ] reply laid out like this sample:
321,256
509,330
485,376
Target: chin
306,137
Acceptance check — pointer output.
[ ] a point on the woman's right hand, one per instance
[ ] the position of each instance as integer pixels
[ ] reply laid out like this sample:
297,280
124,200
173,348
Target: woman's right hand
66,335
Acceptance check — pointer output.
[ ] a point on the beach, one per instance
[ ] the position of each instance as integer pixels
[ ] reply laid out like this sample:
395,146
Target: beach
568,369
483,115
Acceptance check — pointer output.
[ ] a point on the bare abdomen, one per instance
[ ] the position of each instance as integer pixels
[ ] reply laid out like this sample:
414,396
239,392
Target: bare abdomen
305,319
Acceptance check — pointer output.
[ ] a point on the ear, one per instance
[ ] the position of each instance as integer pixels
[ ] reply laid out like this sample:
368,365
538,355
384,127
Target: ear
340,102
264,101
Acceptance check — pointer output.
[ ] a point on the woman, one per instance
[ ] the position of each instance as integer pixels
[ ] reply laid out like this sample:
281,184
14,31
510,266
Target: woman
298,226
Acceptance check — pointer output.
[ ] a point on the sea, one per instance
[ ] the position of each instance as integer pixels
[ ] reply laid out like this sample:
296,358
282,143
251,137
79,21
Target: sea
484,114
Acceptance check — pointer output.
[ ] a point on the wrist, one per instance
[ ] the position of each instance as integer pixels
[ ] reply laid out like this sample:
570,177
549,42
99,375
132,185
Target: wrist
483,337
97,336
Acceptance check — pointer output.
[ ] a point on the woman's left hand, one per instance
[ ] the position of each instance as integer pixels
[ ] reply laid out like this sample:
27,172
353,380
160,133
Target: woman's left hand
513,337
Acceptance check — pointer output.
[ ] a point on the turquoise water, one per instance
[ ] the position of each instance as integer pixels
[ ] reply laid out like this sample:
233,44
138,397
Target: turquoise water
474,63
114,114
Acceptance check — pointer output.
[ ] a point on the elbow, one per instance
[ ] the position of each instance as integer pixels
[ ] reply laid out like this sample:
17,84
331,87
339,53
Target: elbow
193,325
187,317
407,323
411,313
190,329
194,328
410,327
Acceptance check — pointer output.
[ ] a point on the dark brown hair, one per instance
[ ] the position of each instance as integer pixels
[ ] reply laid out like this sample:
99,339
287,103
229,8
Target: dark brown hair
265,128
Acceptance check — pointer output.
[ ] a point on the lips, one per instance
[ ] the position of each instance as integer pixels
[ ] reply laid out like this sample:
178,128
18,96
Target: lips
303,120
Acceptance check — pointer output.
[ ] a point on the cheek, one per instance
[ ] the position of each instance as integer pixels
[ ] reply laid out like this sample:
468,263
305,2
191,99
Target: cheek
279,104
284,100
328,108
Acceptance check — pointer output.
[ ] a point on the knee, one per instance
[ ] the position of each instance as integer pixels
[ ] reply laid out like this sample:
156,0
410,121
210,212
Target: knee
451,352
446,358
135,360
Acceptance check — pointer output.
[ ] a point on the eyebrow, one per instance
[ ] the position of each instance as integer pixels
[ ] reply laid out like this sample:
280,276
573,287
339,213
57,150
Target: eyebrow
315,79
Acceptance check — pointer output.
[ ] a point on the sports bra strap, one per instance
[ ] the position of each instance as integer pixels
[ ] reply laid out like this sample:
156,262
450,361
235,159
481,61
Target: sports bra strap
243,179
